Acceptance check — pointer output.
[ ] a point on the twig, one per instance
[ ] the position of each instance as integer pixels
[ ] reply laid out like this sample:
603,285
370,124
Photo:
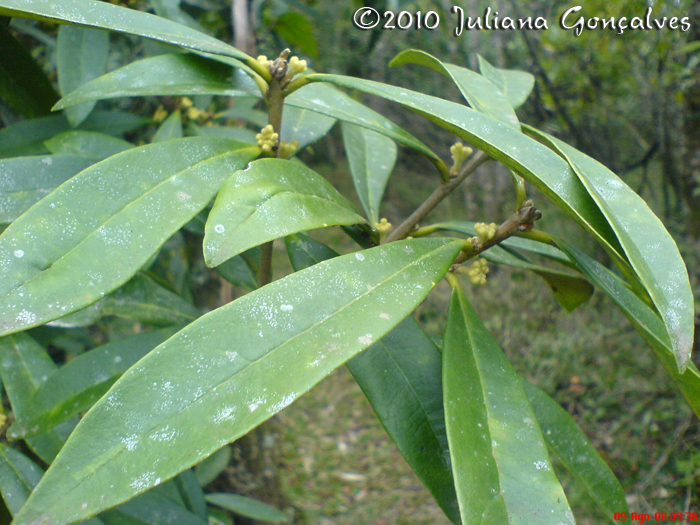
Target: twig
521,220
437,196
275,102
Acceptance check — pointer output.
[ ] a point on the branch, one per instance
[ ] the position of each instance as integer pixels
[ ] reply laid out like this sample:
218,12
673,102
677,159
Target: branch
438,195
521,220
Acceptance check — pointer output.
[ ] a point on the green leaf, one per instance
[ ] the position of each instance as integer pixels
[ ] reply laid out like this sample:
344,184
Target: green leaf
23,84
238,272
568,442
237,133
401,377
536,163
644,320
81,56
175,74
231,370
171,128
248,507
271,199
27,137
191,493
502,470
115,18
304,251
25,367
171,9
331,102
151,509
650,249
18,476
144,300
243,109
371,157
481,94
297,30
209,469
98,229
304,126
76,386
89,144
26,180
514,85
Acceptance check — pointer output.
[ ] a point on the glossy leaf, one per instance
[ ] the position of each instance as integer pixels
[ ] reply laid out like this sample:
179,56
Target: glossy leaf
116,18
650,249
537,164
18,476
26,180
89,144
27,137
175,74
304,126
481,94
304,251
81,56
502,470
97,230
401,377
151,509
231,370
23,84
171,128
209,469
644,320
371,157
238,272
514,85
77,385
248,507
236,133
331,102
271,199
296,29
568,442
25,368
144,300
191,493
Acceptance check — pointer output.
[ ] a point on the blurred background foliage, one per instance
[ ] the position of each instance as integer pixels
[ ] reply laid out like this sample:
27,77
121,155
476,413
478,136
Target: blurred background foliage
630,100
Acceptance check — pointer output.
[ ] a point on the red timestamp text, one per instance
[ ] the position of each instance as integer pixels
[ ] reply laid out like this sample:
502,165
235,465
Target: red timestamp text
656,516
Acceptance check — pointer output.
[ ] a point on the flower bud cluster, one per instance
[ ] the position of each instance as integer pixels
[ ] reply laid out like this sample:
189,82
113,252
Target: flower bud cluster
287,149
294,68
477,271
485,232
267,138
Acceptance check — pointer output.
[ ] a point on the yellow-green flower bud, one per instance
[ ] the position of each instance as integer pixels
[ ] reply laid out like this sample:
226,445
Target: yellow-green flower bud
460,153
160,115
287,149
485,232
267,138
263,61
294,68
477,272
383,227
186,103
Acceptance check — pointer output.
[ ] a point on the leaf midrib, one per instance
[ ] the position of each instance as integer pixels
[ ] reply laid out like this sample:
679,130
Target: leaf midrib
118,213
252,362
